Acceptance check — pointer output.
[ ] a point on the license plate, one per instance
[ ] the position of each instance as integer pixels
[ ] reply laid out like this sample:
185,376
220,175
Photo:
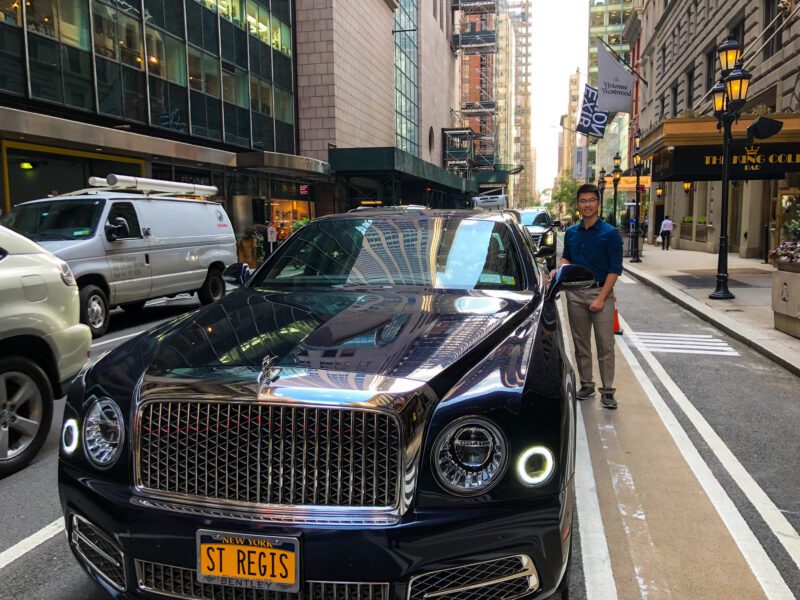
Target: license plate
261,562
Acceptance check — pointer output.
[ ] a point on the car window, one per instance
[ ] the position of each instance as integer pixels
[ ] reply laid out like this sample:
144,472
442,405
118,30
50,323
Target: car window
127,212
539,219
433,252
56,220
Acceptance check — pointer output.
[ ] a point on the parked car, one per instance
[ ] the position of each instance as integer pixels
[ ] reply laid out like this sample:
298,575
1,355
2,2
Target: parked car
126,248
384,410
544,231
42,345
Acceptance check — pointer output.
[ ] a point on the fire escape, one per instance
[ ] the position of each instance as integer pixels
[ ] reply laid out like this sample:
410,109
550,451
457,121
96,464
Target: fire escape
473,146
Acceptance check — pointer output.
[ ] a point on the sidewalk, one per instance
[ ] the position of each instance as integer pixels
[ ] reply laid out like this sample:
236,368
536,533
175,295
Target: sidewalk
688,278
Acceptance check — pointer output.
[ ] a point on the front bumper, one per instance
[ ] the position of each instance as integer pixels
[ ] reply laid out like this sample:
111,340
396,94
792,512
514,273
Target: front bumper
424,541
71,347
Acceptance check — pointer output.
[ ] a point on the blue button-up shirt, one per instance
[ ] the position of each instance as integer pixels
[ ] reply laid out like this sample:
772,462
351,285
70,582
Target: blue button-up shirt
598,248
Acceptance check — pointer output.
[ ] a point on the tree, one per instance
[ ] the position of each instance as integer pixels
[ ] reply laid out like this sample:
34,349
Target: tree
565,192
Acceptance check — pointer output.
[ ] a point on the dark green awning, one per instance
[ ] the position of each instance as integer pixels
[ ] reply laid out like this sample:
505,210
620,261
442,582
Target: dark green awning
393,160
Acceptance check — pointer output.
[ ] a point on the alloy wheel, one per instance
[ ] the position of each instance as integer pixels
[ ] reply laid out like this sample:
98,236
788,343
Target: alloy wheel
96,312
21,409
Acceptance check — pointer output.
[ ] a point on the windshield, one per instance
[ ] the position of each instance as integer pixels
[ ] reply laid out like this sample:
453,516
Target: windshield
56,220
437,253
539,219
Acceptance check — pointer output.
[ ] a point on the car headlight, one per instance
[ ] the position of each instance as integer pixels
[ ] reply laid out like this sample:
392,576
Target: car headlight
549,239
66,274
469,456
103,433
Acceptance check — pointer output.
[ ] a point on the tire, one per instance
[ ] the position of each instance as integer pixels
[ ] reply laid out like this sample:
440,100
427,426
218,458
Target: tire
133,307
26,412
94,309
213,288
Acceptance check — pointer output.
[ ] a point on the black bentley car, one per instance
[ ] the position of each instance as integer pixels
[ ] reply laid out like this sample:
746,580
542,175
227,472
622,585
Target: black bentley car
384,410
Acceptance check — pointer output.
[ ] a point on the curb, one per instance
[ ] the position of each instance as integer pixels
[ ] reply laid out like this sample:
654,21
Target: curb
730,326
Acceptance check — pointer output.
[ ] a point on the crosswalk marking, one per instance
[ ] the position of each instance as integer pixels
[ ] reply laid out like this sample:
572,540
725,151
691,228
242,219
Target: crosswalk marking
682,343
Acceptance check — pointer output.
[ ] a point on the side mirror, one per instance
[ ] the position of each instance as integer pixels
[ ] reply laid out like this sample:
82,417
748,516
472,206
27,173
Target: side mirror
557,223
237,273
570,277
545,252
117,229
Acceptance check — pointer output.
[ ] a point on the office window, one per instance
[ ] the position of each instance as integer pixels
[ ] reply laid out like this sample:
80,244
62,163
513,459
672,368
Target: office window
770,12
109,87
711,68
11,12
203,29
232,10
738,32
11,61
234,44
134,100
42,17
690,89
674,100
166,14
105,30
73,23
130,41
76,68
284,106
168,105
45,69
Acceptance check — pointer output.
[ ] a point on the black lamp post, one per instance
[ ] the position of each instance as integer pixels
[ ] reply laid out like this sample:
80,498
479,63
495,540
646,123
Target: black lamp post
601,185
617,172
637,165
729,97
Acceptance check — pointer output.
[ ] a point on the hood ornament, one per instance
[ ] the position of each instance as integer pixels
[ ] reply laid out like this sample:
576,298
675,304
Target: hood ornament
269,373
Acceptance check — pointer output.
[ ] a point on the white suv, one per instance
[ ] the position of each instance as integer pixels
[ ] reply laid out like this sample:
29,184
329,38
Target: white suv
42,344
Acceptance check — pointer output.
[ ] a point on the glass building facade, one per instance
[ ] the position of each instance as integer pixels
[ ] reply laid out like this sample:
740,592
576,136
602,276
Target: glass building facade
406,76
217,71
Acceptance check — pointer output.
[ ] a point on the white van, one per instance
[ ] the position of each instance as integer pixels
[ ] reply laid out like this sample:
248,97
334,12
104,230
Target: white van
126,242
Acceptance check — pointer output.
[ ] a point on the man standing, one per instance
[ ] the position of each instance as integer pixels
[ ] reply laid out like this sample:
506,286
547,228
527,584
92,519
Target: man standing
596,245
665,233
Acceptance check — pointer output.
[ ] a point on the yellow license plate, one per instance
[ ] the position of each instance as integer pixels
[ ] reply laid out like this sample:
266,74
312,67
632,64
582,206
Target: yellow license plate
249,561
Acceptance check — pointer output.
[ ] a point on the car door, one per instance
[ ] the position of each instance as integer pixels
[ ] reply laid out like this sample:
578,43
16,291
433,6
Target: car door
128,254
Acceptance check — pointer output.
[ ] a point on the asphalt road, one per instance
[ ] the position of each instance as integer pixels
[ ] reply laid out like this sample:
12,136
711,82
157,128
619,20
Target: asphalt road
713,385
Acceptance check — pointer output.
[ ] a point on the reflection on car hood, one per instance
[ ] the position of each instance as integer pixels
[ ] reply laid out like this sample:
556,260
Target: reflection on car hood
386,333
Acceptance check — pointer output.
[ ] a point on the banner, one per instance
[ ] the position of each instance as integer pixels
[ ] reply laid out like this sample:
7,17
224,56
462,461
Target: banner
627,183
591,122
615,83
579,163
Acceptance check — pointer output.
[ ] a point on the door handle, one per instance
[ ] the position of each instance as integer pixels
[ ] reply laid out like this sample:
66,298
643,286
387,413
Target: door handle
147,258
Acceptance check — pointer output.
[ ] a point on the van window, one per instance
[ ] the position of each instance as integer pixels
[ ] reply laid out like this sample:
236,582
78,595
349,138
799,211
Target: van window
127,212
63,219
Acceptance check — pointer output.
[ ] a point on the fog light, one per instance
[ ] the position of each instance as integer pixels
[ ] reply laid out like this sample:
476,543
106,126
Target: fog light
69,436
535,465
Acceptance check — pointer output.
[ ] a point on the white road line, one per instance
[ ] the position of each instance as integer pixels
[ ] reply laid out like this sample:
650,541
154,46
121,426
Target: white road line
772,515
680,343
29,543
597,574
682,351
753,552
625,279
116,339
673,335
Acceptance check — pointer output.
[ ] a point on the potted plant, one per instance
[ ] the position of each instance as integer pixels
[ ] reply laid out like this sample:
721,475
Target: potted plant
686,227
701,230
250,245
786,281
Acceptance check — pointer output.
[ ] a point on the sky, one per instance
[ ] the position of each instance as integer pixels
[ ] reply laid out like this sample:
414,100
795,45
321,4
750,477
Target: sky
560,45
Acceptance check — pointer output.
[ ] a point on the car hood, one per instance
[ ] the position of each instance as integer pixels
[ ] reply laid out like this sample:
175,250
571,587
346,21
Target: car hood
67,249
410,336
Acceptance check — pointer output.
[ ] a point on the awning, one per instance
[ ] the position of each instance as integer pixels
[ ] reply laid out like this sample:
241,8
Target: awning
288,165
393,161
748,162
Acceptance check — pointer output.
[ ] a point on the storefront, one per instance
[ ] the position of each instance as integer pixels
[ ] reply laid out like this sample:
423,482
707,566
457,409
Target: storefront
687,161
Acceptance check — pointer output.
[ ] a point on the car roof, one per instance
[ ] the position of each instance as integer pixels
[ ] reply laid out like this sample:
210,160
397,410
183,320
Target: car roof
394,212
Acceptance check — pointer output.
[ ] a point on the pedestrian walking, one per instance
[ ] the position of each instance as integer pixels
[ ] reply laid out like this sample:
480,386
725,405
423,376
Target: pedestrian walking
665,233
594,244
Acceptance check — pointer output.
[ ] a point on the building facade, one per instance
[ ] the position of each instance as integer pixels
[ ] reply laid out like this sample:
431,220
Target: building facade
569,123
678,58
201,92
522,19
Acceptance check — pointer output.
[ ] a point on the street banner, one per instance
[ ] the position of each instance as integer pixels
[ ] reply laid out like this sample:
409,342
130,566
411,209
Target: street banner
615,83
579,163
592,121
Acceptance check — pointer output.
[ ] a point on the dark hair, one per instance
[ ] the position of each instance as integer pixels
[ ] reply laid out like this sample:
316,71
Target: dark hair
666,217
588,188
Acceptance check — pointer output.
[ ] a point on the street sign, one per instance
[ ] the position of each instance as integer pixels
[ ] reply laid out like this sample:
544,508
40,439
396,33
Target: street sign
272,235
303,190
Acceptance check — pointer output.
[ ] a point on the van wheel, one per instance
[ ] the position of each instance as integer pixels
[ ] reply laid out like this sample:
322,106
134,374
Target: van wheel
133,307
213,289
94,309
26,412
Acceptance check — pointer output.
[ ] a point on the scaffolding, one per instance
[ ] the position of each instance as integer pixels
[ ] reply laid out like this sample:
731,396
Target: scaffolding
476,38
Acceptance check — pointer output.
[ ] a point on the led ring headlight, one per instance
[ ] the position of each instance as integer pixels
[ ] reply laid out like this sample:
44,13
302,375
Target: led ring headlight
103,433
69,436
536,465
469,456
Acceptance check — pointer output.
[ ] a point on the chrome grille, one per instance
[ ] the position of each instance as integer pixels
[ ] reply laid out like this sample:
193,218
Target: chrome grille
178,582
257,454
500,579
100,553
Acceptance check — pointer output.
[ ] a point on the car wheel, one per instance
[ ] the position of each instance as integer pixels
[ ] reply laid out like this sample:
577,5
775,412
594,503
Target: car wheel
213,289
94,309
133,307
26,411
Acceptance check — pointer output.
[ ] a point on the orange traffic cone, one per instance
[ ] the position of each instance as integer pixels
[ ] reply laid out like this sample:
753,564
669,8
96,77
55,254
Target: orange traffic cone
617,328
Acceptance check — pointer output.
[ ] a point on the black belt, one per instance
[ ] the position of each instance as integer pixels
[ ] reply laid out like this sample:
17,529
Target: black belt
598,284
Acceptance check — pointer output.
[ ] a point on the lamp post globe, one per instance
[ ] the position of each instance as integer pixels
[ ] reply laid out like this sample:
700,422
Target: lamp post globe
687,186
601,186
730,53
659,191
617,173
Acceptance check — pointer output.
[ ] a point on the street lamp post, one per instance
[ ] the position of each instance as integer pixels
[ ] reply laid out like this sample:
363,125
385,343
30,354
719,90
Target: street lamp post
617,172
637,165
601,185
729,97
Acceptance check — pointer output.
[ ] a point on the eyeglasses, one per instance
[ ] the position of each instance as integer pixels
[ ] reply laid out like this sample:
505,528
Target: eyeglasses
587,200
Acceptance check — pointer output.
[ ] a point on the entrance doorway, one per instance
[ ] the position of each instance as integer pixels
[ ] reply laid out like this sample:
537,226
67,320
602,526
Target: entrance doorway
787,209
735,218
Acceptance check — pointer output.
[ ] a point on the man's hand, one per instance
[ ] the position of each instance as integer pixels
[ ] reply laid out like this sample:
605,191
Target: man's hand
597,304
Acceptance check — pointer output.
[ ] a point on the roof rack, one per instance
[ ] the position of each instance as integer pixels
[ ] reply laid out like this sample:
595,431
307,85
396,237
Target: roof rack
149,186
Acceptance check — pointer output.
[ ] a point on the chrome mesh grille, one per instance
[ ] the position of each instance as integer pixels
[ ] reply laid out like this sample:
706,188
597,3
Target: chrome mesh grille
500,579
179,582
103,555
261,454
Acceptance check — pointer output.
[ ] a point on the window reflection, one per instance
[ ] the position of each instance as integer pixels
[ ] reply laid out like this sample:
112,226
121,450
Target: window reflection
11,12
130,41
42,17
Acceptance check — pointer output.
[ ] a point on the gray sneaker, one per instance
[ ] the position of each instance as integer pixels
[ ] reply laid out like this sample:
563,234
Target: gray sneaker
607,399
586,391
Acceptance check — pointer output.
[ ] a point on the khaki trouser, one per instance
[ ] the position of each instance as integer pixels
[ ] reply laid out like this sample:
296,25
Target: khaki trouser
581,322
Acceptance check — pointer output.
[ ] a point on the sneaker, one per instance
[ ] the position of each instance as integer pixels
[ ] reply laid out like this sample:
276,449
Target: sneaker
586,391
607,399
